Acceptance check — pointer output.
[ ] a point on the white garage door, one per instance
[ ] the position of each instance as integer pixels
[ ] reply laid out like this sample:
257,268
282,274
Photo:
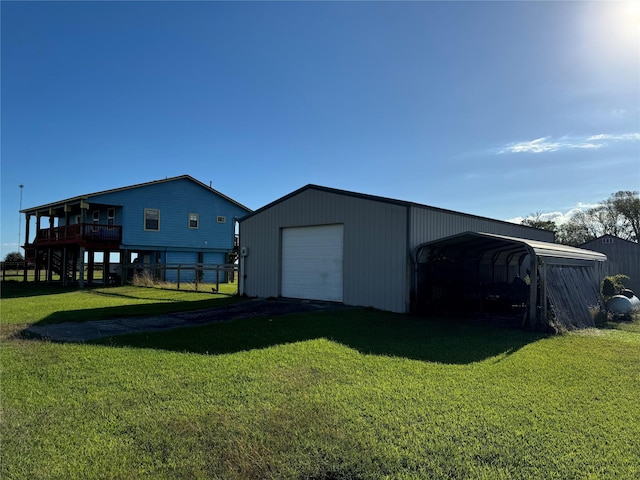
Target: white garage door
312,262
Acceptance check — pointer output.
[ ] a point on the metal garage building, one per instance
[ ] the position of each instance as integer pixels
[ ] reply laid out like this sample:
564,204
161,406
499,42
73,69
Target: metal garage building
326,244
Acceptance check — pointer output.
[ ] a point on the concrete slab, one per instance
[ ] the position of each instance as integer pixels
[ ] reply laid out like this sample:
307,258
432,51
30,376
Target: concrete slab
90,330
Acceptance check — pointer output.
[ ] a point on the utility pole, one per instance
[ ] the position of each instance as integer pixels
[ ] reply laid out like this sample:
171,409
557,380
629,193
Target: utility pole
20,216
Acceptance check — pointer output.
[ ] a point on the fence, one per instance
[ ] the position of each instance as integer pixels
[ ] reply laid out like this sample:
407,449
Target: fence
194,275
178,273
13,270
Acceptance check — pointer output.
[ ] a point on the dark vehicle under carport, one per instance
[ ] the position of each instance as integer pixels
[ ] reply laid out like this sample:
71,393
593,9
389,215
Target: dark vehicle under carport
528,283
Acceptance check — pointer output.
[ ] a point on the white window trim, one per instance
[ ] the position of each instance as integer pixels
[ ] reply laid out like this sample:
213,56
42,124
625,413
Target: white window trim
111,216
221,219
197,218
145,219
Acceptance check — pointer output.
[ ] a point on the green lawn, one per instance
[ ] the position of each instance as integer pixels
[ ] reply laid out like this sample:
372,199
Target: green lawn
41,303
349,394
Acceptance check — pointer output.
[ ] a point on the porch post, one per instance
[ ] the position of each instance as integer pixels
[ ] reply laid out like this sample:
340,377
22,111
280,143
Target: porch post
125,259
106,267
26,242
36,268
64,269
49,265
91,265
81,272
26,229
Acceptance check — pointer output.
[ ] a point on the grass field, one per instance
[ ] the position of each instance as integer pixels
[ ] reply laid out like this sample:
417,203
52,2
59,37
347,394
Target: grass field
349,394
42,303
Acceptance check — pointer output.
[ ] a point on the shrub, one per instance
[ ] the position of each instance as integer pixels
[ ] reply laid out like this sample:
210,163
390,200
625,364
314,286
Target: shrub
612,285
143,279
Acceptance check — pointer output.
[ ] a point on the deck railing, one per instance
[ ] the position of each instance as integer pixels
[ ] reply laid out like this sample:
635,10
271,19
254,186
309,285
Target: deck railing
79,233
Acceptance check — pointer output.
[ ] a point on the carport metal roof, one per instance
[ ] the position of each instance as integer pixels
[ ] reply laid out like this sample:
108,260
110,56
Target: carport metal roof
479,242
541,254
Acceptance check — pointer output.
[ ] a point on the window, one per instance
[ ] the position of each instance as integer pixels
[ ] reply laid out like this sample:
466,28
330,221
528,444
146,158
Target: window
96,220
194,220
222,219
111,216
606,240
151,219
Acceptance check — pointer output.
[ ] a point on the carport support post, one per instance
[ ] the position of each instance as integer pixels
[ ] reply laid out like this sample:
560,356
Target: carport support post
533,290
543,294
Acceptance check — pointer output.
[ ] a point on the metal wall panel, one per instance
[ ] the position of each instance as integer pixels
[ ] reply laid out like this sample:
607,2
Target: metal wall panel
623,257
428,224
375,248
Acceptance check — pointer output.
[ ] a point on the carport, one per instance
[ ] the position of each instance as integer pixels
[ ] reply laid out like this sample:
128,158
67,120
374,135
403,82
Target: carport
530,283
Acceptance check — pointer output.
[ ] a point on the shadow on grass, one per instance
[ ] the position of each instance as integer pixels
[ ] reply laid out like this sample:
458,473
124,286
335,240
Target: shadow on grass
368,331
140,310
19,289
116,294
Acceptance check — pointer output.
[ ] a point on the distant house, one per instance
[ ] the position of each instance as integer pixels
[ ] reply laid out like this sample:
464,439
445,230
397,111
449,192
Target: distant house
171,221
623,257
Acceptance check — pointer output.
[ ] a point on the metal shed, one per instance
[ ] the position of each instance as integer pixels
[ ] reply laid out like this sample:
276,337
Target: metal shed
328,244
623,256
540,283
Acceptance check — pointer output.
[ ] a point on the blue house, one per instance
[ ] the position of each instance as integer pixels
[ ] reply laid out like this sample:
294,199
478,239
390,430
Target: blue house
177,220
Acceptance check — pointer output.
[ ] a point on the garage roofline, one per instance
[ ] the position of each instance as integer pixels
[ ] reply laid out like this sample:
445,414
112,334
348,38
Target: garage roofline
375,198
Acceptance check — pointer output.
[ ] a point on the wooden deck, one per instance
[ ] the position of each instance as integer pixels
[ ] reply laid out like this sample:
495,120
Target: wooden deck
88,235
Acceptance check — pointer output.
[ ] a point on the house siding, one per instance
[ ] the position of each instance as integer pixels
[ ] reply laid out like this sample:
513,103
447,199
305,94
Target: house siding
175,200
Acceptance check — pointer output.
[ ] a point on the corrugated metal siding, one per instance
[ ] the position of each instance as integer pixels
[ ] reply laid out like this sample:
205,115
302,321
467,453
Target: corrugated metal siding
375,254
431,224
622,257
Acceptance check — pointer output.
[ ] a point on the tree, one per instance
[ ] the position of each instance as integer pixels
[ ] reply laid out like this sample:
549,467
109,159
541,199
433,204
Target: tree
627,204
618,215
535,220
14,257
580,228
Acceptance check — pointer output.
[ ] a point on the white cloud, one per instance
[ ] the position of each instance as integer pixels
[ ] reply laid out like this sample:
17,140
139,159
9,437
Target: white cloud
625,137
546,144
558,217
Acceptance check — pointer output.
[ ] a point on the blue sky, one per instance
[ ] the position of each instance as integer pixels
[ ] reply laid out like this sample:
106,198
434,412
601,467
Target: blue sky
498,109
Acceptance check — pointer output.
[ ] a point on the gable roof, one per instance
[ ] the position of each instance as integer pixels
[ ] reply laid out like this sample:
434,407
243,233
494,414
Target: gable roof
607,235
374,198
79,198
